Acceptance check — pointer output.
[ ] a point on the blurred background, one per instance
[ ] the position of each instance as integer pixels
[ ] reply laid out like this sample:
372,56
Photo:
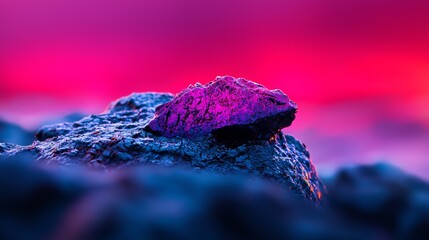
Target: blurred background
358,69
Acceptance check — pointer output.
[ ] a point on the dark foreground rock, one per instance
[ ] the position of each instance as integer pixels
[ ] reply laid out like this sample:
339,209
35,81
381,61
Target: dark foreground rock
383,197
367,202
152,203
119,137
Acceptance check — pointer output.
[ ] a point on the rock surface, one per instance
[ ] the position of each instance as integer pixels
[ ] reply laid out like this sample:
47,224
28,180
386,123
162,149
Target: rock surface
229,108
118,139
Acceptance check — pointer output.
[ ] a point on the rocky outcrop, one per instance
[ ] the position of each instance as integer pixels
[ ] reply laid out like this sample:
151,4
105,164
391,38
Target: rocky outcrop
119,138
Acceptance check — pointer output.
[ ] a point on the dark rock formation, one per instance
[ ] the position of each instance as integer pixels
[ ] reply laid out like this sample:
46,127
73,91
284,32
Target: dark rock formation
150,203
383,197
229,108
118,138
365,202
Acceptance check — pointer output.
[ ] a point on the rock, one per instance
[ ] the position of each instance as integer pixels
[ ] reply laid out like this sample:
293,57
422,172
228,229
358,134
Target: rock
226,107
152,203
382,196
138,101
167,203
4,147
118,138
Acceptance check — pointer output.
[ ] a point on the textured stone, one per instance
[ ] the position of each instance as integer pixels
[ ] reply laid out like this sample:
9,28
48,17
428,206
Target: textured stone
117,139
230,108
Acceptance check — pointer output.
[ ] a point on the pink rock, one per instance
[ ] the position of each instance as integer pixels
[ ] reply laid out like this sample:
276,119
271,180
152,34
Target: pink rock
229,108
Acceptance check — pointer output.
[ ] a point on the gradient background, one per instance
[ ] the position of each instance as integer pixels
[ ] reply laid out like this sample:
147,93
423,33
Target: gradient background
358,69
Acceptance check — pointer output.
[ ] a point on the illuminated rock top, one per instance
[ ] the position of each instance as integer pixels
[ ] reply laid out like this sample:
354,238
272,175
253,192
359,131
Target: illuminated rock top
229,108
